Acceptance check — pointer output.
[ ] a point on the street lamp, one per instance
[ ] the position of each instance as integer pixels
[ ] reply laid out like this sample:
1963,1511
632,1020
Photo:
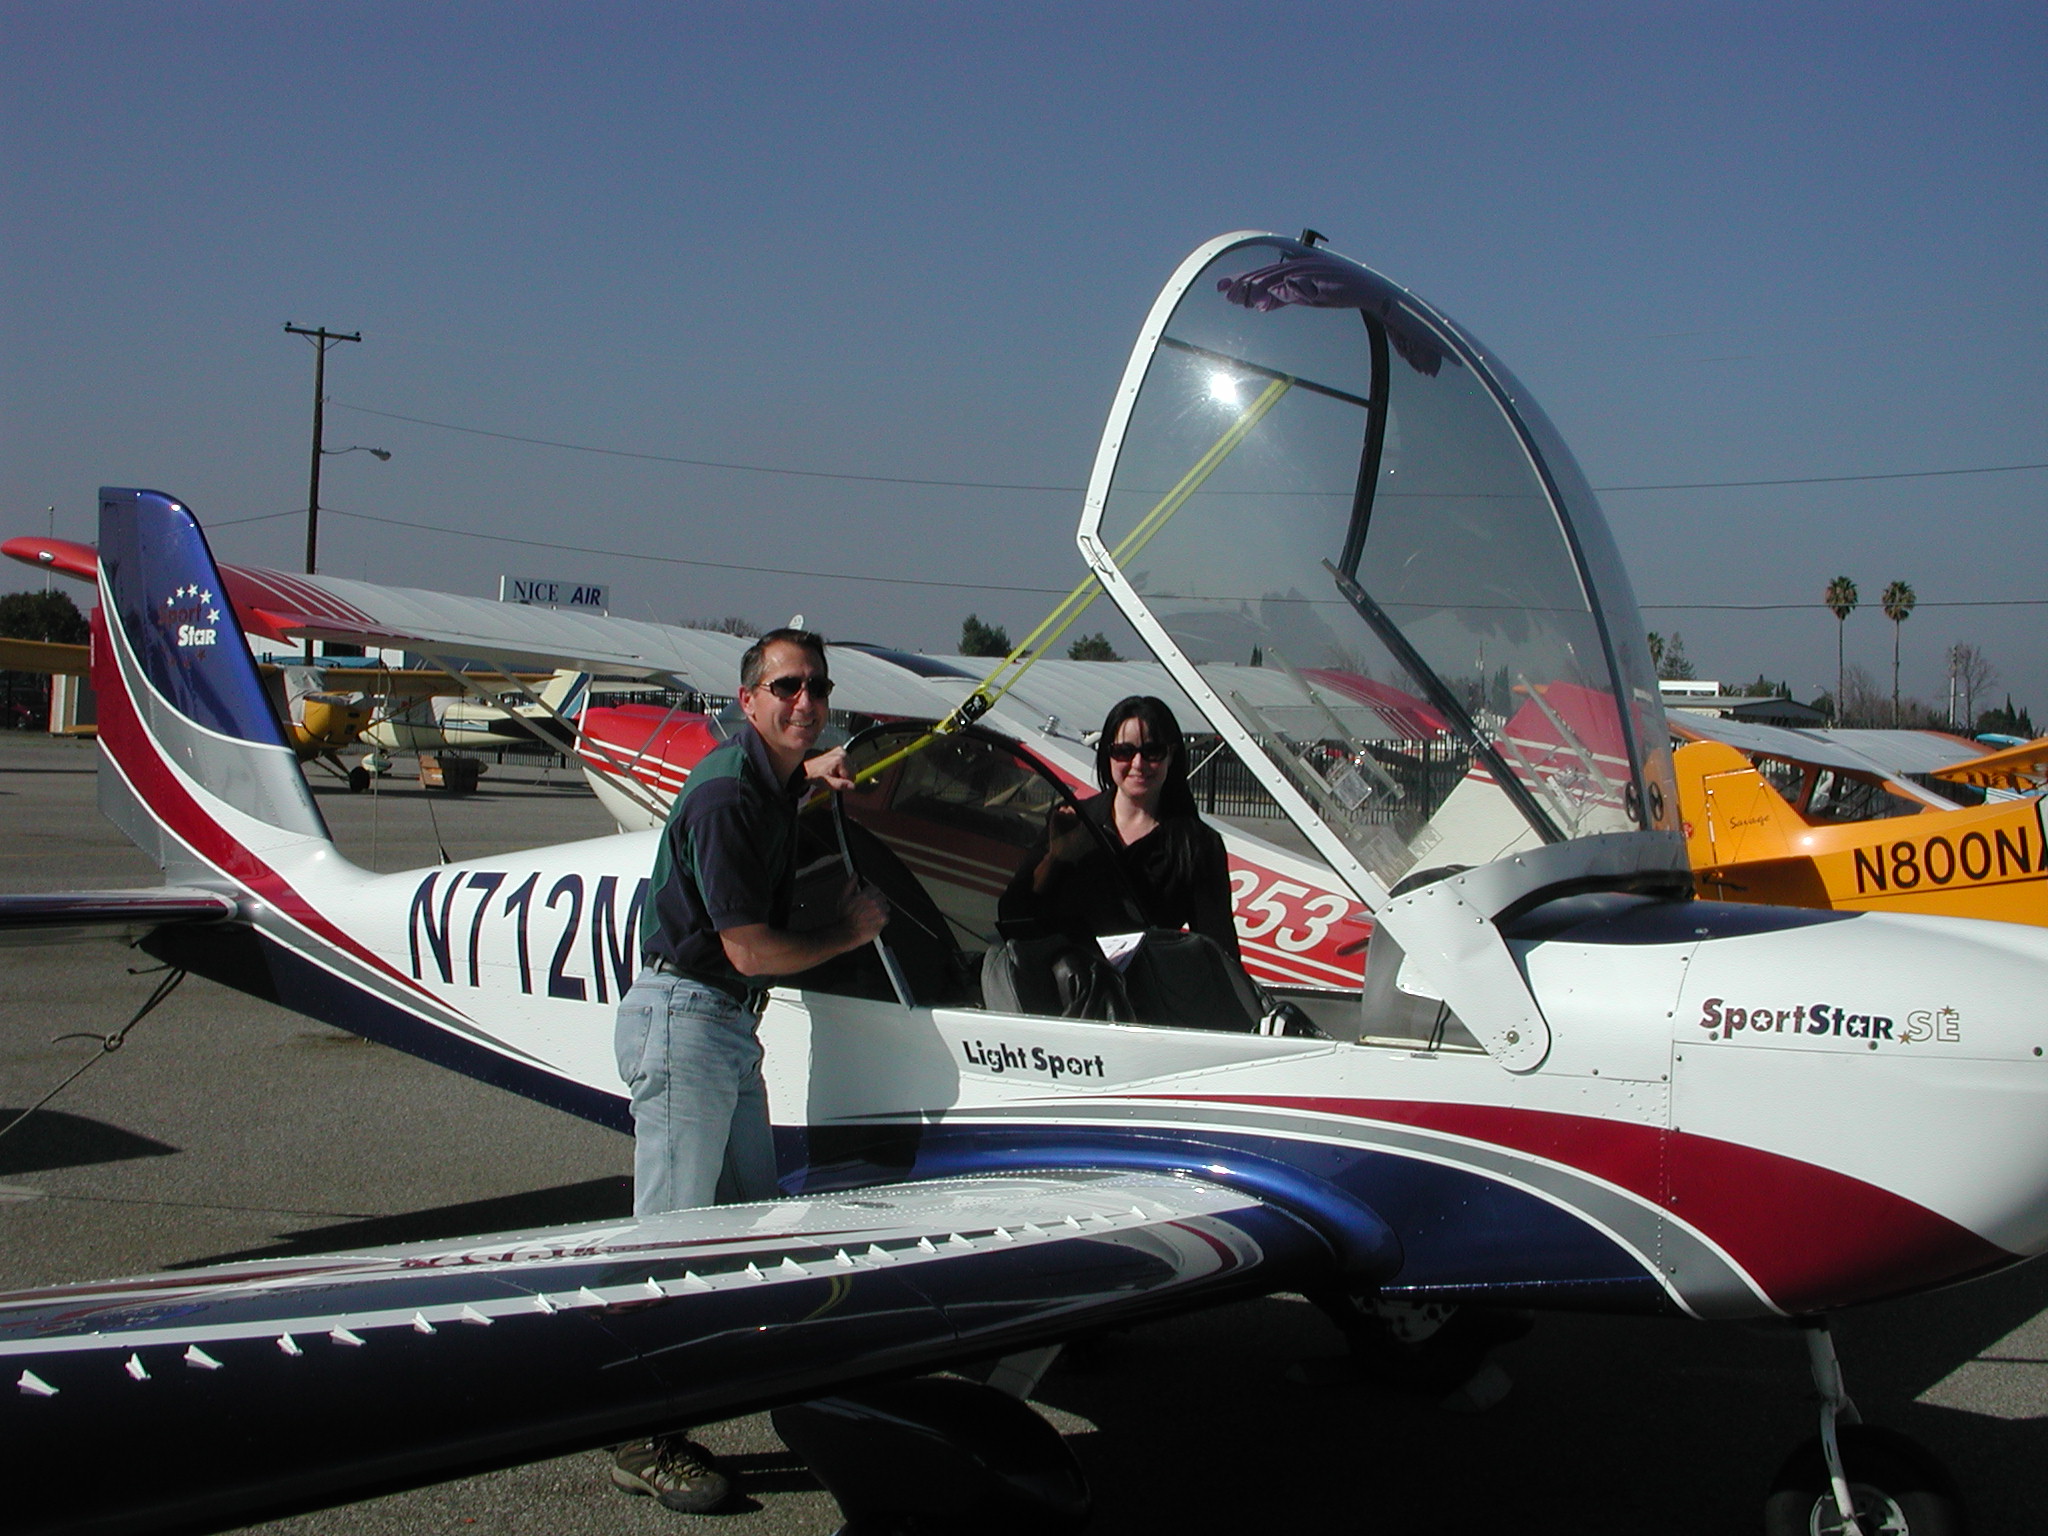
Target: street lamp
382,454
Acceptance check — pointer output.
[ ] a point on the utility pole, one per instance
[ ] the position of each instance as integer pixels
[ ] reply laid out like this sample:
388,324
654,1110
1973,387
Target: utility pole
322,339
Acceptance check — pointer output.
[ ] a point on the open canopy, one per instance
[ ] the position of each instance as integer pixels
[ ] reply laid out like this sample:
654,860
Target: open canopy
1310,471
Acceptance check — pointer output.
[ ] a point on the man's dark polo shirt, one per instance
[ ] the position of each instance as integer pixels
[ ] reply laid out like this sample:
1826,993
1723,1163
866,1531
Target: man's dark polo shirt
727,858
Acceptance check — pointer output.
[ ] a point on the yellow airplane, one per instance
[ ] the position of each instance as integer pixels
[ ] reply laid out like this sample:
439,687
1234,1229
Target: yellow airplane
320,722
1803,822
2020,770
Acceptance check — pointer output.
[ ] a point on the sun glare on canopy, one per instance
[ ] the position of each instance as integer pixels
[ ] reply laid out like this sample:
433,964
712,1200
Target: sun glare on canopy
1321,475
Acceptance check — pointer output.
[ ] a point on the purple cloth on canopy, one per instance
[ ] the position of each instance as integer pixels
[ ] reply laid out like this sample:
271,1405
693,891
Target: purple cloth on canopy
1328,282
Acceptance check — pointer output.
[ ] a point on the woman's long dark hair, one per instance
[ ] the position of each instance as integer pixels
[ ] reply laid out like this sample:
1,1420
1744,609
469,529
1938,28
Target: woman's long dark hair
1176,799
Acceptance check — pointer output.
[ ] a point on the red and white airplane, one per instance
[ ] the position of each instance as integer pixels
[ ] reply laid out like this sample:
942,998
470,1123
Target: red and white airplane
1564,1082
1298,925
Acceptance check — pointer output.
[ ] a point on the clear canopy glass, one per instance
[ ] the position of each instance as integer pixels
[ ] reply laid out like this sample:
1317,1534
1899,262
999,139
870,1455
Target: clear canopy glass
1321,476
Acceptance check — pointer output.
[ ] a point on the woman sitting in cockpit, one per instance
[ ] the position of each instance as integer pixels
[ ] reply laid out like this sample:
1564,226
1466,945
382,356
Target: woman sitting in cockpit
1168,861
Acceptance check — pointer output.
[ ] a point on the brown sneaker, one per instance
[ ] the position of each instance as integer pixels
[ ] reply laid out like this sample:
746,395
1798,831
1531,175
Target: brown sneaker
677,1472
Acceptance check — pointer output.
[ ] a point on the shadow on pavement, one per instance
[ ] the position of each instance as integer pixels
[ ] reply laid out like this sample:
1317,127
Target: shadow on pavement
565,1205
50,1138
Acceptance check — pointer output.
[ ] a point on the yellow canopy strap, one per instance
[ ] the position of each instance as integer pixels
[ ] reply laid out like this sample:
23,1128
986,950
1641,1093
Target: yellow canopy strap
987,693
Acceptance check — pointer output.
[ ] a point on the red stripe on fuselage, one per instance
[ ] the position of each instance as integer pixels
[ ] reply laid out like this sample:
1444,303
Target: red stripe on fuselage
1809,1237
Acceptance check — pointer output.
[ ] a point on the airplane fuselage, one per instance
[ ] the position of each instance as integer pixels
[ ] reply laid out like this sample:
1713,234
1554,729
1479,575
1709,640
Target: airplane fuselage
1700,1050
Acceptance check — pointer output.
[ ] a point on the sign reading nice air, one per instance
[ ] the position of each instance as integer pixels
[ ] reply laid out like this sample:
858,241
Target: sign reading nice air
549,592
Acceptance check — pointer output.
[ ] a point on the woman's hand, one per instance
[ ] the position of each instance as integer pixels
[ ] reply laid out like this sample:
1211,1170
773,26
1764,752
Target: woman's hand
1066,842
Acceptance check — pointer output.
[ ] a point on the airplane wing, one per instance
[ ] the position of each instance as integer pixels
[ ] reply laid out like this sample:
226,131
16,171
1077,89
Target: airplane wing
281,605
250,1390
67,557
1903,752
1822,750
874,680
2021,769
44,656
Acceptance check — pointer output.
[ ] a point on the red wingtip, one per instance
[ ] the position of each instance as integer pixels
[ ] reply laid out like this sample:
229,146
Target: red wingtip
64,556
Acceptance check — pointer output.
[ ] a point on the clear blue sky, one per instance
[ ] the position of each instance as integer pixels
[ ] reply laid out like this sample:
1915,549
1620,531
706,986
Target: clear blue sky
1719,242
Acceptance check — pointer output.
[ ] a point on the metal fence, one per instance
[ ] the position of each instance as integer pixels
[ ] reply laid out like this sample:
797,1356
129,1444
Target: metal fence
1222,784
1427,772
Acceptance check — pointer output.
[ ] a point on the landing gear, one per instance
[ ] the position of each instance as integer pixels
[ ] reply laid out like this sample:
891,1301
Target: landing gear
938,1457
1434,1351
358,780
1855,1479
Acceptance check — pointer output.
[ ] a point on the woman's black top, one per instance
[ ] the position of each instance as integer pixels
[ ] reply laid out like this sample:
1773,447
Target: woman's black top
1175,876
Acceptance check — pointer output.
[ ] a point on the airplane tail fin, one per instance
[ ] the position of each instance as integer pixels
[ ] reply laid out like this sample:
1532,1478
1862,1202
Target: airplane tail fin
195,766
566,693
1732,814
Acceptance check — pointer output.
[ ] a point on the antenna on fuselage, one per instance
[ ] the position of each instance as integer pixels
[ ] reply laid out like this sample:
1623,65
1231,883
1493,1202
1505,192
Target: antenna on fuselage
1313,238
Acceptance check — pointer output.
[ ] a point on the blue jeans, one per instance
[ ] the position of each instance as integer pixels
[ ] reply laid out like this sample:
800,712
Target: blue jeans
691,1059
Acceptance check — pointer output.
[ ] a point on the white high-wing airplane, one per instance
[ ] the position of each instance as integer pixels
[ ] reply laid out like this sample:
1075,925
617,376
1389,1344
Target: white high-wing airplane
1564,1082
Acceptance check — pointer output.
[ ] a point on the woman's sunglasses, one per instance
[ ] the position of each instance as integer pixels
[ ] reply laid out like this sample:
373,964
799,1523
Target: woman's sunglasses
787,688
1124,751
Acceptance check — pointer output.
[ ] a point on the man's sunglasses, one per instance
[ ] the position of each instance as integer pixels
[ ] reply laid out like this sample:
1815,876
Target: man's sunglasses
1124,751
787,688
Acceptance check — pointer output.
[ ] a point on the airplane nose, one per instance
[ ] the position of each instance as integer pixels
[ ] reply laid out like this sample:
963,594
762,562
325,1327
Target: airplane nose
1897,1060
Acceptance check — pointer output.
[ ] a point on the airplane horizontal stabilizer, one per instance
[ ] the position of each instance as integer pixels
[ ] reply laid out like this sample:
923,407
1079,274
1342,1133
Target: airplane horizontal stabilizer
55,916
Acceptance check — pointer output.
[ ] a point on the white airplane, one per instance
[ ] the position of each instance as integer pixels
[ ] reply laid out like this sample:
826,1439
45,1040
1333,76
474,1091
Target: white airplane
1563,1082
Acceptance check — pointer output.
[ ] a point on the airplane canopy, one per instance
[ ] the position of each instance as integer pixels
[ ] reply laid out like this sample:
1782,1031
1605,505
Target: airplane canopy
1310,473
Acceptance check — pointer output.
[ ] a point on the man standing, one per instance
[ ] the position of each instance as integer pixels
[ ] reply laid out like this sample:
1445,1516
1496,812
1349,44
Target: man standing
714,932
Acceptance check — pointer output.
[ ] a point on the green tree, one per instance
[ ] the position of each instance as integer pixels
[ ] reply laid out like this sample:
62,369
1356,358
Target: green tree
1898,603
1764,688
50,616
731,624
1672,662
1656,651
979,639
2007,722
1095,647
1840,599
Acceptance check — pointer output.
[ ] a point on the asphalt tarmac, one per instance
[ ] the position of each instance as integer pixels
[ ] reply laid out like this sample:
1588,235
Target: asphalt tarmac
227,1128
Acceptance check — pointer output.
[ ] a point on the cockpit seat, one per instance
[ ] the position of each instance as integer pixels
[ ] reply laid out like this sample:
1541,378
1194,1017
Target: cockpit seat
1055,978
1186,980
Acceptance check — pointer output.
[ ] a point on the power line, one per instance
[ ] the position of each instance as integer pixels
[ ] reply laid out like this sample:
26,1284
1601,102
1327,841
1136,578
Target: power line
1989,602
1006,485
1904,474
977,586
260,517
711,565
667,458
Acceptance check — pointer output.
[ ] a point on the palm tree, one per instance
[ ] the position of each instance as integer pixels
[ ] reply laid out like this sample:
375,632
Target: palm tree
1840,598
1898,603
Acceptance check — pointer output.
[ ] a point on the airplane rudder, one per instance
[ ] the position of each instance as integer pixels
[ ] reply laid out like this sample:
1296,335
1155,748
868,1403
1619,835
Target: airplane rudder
190,703
160,585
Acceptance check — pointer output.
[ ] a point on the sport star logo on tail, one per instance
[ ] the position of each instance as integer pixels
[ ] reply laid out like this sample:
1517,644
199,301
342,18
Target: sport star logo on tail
191,610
